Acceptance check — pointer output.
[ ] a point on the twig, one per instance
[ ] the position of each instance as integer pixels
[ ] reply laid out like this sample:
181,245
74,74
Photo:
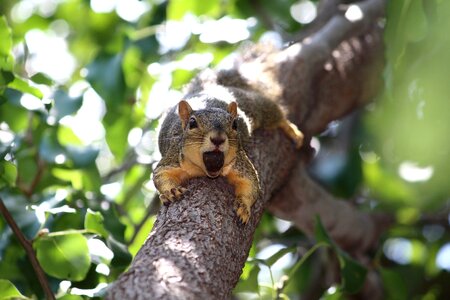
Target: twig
128,163
29,250
29,190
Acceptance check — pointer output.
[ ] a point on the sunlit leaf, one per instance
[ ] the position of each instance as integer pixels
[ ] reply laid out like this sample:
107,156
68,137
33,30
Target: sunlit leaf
23,86
250,284
6,59
386,185
64,256
12,112
132,67
181,77
5,37
9,291
415,21
94,222
70,297
66,136
91,179
178,8
334,294
8,173
75,177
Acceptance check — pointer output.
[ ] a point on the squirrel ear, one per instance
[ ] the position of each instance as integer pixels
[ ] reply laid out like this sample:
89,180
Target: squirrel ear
184,111
232,109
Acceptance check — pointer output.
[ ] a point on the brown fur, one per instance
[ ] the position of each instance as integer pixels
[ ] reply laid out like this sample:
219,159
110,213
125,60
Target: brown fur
217,117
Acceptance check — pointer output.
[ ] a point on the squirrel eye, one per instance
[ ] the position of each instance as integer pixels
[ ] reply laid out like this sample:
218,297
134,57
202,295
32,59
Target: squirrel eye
234,125
192,123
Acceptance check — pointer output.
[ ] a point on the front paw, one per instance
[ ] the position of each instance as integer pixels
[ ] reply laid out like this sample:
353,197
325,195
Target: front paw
242,211
172,195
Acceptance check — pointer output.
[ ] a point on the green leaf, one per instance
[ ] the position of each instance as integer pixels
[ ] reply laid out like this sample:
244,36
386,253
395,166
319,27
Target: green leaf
105,74
70,297
122,256
5,78
76,157
6,59
275,257
50,149
3,99
353,274
66,136
9,291
117,128
5,37
65,105
393,284
250,284
23,86
301,261
132,67
416,24
41,78
64,256
94,222
178,8
320,233
82,156
8,173
25,218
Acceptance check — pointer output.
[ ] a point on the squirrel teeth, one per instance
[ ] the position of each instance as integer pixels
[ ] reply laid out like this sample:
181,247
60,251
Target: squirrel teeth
213,161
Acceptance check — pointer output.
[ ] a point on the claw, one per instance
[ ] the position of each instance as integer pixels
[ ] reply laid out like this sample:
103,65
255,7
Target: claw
172,195
242,212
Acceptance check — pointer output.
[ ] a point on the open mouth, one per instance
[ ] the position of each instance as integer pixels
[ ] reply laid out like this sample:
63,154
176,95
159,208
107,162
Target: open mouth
213,161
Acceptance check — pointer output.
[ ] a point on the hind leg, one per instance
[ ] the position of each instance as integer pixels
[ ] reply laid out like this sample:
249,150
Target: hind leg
291,130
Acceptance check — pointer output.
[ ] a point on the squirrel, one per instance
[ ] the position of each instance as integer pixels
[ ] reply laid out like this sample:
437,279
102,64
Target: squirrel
208,134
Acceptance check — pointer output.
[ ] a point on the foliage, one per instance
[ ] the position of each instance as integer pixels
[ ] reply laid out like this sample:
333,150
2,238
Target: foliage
83,83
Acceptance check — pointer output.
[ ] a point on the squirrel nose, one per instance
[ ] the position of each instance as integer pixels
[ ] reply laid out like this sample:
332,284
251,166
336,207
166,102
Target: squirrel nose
217,140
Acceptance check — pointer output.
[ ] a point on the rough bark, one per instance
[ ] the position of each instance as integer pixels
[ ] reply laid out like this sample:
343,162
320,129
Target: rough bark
197,248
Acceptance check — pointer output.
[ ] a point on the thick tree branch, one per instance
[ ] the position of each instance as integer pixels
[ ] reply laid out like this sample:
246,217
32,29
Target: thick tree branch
339,217
197,248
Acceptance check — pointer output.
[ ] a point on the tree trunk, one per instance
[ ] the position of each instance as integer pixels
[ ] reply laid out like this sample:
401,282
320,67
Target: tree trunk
197,248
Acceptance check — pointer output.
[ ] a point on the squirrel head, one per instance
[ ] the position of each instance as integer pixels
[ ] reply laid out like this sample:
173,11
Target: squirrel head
210,137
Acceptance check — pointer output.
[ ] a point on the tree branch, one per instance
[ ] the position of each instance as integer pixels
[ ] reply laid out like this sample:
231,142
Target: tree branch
29,251
197,248
339,217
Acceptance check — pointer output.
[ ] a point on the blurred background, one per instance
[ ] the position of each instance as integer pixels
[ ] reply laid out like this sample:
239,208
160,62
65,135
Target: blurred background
84,83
